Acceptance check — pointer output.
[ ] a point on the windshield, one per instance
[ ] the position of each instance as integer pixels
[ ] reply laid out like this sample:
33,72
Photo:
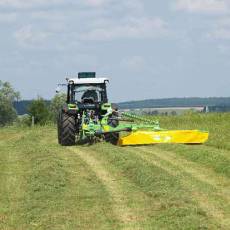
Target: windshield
88,94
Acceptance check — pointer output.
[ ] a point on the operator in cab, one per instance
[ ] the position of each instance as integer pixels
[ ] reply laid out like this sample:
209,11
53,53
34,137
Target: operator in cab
89,97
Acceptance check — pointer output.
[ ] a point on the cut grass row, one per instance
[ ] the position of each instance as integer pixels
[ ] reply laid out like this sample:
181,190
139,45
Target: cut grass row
194,203
215,153
42,189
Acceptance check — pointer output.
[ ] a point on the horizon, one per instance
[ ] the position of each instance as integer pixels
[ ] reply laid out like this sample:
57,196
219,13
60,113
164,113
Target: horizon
150,99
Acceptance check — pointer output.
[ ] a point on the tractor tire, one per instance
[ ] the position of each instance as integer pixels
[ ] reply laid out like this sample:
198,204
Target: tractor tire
59,127
112,137
66,129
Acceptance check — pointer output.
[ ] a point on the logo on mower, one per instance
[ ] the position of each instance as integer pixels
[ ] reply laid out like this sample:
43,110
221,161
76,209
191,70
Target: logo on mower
162,138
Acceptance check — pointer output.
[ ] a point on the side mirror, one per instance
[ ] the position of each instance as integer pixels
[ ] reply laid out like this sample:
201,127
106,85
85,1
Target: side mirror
58,90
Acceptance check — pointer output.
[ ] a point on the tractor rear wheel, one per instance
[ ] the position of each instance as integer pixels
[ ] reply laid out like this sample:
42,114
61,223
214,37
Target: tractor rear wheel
66,129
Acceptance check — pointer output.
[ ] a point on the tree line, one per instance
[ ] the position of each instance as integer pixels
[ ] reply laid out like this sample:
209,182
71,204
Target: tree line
22,106
38,110
176,102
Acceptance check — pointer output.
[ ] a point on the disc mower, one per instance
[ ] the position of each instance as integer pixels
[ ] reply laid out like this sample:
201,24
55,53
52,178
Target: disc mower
88,117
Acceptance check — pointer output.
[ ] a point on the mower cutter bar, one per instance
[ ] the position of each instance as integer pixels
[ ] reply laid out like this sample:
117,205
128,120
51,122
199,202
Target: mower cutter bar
170,137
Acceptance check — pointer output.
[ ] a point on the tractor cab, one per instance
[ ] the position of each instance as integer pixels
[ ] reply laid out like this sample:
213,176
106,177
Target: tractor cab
87,90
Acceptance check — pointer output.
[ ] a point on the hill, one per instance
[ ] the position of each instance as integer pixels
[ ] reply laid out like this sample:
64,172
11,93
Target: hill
176,102
22,106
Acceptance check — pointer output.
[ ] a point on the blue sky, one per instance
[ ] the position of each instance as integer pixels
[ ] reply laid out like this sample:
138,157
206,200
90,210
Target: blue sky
148,49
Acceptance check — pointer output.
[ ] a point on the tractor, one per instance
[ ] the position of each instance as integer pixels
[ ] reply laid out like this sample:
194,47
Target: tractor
86,109
88,117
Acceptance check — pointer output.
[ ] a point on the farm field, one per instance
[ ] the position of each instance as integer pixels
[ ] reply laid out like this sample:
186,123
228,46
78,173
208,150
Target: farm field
46,186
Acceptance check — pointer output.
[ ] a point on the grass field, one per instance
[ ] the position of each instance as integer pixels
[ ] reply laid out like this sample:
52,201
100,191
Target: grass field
46,186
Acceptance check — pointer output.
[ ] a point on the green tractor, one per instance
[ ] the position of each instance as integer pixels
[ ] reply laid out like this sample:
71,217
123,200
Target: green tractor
88,116
87,110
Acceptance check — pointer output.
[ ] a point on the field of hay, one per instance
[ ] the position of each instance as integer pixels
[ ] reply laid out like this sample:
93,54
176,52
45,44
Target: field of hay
46,186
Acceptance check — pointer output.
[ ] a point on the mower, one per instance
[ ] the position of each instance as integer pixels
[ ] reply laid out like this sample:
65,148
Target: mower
88,117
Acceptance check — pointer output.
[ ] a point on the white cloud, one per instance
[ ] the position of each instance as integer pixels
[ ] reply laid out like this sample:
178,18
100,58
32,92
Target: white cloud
220,29
217,27
202,6
133,5
133,63
28,4
8,17
29,36
97,2
221,33
24,4
224,49
136,28
94,20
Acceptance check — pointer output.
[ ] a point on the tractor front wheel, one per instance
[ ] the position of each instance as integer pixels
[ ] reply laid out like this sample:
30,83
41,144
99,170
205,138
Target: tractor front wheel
66,129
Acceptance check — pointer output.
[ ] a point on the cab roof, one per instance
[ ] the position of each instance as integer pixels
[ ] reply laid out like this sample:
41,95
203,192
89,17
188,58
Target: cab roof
83,81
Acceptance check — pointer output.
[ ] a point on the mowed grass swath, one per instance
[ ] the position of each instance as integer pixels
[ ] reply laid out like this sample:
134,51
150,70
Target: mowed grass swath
46,186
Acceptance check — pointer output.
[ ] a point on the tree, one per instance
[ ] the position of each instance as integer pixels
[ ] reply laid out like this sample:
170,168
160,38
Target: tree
40,111
7,97
56,104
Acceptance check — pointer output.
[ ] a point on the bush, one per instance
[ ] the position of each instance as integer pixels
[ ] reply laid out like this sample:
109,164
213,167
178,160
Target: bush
7,96
56,104
24,120
40,111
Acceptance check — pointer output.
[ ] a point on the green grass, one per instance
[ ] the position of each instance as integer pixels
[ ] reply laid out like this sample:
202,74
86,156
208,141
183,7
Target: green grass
216,152
41,189
46,186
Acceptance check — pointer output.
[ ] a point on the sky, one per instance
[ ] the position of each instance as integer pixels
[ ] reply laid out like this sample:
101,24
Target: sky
147,48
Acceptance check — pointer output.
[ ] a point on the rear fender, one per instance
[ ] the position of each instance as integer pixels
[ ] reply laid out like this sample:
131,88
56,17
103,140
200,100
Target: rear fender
71,109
